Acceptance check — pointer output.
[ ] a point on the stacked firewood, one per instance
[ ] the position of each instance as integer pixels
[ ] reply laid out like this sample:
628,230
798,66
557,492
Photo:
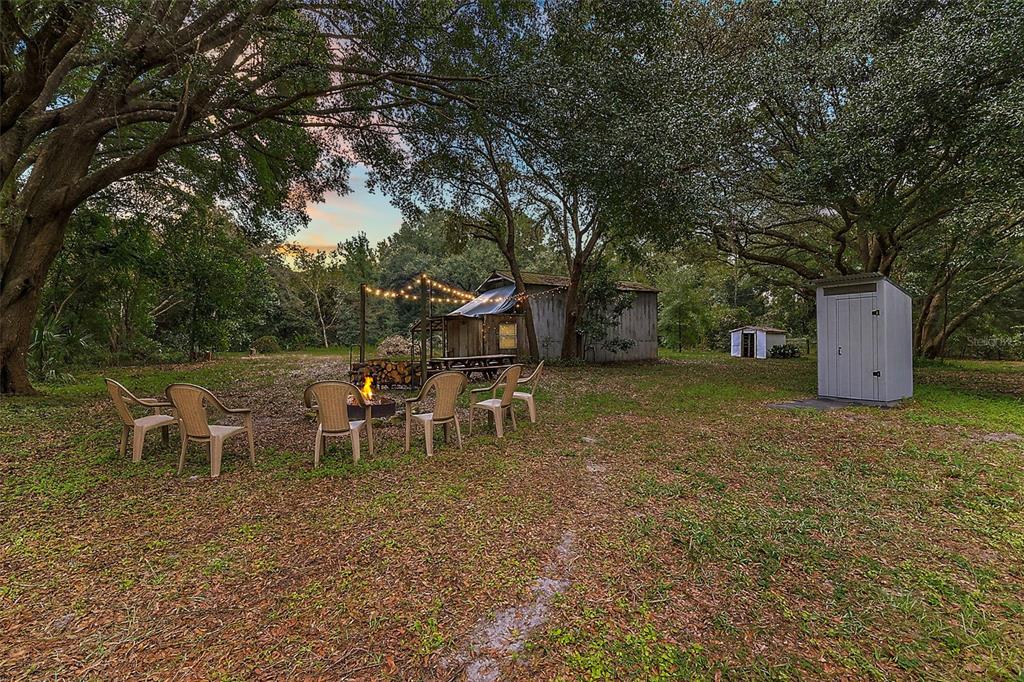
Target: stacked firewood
386,372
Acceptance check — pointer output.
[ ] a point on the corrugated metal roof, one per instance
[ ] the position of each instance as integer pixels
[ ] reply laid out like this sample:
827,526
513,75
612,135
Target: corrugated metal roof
539,279
493,302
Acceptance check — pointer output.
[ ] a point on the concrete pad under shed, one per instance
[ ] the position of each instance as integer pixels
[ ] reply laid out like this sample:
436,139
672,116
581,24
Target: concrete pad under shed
824,404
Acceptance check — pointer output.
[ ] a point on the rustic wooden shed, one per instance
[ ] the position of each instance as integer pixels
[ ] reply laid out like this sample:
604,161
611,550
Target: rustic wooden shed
494,322
865,339
755,342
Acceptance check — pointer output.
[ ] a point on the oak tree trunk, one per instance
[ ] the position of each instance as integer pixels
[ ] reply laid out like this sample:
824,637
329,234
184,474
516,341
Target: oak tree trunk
570,347
931,332
531,330
32,252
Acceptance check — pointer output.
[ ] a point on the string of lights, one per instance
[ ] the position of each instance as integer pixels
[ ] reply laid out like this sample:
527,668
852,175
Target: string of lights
541,294
411,291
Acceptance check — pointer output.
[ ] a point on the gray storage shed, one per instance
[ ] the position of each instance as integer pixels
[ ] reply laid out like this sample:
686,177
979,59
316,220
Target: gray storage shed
865,339
494,321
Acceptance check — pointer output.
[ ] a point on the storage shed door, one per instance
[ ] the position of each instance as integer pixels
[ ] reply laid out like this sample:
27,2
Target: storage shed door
760,345
853,347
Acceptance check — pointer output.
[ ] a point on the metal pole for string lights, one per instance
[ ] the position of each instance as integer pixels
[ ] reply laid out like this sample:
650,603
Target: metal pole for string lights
424,302
362,322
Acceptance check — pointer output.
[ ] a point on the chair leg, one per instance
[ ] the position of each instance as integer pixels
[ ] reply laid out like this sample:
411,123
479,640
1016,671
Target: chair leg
369,434
181,459
355,445
252,442
470,432
512,411
499,422
216,453
408,431
138,441
532,405
428,434
458,432
318,449
123,447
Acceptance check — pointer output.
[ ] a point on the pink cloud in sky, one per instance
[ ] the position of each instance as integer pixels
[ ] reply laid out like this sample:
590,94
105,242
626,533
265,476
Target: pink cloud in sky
341,217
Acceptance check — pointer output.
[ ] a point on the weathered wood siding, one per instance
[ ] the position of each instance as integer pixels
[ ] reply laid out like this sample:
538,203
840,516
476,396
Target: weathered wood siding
548,320
638,323
492,345
465,337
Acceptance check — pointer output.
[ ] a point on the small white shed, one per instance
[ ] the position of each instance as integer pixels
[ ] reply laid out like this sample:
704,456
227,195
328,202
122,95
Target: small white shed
755,342
865,339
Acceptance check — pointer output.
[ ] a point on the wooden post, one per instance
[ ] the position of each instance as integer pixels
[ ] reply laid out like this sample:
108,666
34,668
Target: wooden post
424,302
362,323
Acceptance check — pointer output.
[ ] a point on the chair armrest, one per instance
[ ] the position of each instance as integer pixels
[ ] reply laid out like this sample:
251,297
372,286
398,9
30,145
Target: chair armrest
479,390
154,402
237,410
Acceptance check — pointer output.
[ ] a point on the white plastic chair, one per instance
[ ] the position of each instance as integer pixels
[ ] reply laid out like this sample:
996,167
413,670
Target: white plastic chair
506,381
447,387
330,398
190,403
527,396
140,426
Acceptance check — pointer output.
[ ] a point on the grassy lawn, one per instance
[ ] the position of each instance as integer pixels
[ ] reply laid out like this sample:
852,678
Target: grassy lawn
661,521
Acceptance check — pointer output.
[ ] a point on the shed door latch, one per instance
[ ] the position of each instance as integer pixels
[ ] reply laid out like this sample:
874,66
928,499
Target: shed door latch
876,312
876,373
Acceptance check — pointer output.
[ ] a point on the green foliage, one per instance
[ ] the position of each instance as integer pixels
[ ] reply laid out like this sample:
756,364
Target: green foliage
267,344
603,303
217,280
51,351
122,291
785,352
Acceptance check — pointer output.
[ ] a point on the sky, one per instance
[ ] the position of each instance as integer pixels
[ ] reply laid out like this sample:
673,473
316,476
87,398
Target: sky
341,217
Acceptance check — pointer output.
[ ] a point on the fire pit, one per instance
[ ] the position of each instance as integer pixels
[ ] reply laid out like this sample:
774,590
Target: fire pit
380,407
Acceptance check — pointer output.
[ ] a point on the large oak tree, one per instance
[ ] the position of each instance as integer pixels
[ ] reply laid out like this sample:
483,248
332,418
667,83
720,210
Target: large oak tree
881,137
97,96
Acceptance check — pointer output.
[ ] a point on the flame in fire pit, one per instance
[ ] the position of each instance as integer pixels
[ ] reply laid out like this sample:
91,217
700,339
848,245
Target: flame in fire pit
367,389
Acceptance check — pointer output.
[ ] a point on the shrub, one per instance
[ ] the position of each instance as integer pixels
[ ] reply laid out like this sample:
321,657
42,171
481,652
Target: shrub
267,344
785,351
394,345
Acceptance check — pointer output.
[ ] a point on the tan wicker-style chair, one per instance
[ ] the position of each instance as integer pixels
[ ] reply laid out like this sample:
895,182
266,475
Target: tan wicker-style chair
447,387
507,382
330,399
527,396
123,399
190,403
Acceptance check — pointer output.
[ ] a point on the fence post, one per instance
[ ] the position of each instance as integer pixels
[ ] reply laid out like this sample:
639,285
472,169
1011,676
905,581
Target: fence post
424,303
362,322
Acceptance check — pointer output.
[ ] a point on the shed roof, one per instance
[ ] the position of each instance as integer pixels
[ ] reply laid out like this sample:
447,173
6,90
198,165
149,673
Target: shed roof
539,279
769,330
856,277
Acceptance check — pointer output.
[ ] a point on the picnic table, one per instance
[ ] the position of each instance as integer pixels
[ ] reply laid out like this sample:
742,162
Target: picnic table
487,365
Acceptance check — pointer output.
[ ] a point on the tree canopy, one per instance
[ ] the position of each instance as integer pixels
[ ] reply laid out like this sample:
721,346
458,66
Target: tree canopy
731,152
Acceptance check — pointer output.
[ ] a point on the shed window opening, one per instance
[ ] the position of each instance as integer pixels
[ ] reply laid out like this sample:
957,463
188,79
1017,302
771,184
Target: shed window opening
507,336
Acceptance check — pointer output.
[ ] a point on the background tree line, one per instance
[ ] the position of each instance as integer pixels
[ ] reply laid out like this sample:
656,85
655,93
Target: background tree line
732,153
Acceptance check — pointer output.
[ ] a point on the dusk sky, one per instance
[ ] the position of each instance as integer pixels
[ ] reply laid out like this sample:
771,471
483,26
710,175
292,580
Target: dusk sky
341,217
